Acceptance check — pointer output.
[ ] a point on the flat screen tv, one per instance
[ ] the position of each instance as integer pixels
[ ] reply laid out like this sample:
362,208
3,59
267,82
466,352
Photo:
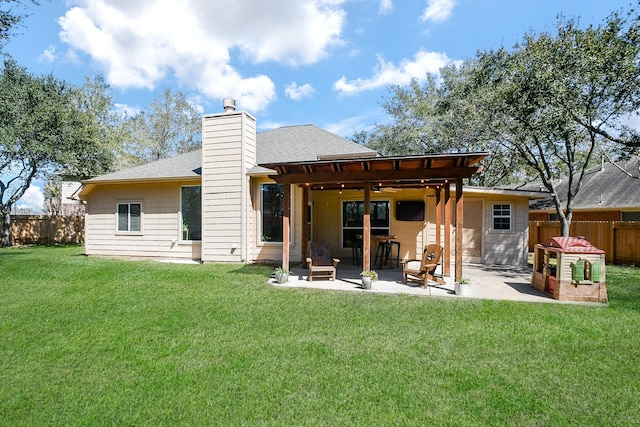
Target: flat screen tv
410,210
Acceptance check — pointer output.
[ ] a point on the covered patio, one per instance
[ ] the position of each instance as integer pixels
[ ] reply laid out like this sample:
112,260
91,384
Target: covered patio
489,282
438,172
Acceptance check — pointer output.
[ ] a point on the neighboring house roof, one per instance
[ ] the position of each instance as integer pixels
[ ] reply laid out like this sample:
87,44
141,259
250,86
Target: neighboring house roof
289,144
603,187
530,194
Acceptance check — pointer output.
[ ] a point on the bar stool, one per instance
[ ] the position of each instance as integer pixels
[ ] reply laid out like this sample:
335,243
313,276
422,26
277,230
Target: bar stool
382,254
356,252
393,243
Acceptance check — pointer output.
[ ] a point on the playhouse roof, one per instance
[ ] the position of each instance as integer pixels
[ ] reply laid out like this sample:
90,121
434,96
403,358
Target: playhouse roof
573,245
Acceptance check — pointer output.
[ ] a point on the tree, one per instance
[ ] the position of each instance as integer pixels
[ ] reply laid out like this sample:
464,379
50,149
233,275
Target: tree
170,126
41,130
560,101
53,195
442,117
11,20
550,106
104,130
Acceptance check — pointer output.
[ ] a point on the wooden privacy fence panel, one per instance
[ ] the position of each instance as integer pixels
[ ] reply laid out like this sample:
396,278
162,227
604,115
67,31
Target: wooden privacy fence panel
619,239
627,244
43,229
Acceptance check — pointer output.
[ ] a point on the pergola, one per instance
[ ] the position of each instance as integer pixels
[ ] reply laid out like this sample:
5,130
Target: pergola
437,171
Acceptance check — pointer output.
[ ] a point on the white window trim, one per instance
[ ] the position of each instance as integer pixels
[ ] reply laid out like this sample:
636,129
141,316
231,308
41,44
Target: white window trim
181,220
493,217
259,219
117,217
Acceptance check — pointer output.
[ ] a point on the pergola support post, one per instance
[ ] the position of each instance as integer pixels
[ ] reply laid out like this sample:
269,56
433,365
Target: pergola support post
305,222
286,226
366,230
459,226
438,192
447,229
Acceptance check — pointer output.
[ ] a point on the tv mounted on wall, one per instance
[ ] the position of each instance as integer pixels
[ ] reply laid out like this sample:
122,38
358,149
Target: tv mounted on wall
410,210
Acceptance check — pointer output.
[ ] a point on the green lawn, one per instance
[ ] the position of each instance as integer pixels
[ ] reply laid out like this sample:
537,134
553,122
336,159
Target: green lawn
90,341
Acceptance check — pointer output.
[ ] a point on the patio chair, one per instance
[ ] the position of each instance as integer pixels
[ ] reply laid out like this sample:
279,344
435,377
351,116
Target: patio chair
320,262
423,270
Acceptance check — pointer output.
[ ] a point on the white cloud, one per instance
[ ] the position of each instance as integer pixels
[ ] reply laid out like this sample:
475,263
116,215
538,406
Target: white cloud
48,55
138,43
386,73
385,6
33,199
126,110
297,93
438,10
349,126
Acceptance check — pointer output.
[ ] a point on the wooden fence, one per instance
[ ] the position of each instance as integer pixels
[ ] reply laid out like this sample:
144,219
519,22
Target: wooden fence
44,229
620,240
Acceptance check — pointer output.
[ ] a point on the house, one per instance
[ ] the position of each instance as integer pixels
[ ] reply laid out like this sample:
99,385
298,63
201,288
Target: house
260,197
608,193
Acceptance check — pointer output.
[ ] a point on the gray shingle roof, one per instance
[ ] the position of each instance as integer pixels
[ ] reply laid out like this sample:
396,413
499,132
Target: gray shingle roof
602,188
285,144
302,143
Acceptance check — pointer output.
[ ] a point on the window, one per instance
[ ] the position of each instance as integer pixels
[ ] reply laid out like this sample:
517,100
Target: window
129,217
272,210
353,220
191,212
502,216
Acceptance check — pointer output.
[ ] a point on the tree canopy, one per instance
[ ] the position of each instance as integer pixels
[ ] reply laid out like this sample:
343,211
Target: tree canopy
10,20
546,109
170,126
43,129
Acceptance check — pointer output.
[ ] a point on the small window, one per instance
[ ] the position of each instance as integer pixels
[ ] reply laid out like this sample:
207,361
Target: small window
129,217
191,212
502,216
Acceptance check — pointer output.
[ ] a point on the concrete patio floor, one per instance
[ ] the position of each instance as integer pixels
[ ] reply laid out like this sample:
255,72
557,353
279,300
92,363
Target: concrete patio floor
488,282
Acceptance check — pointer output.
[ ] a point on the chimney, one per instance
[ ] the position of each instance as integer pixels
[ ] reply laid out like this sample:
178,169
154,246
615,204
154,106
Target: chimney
229,105
228,152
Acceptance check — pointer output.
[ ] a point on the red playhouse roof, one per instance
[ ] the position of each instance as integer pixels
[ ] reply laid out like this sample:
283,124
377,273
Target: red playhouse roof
577,245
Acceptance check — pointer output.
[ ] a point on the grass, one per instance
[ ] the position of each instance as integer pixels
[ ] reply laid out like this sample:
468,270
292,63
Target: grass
91,341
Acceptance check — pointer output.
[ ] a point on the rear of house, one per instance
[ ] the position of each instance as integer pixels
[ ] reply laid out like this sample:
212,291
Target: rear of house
218,204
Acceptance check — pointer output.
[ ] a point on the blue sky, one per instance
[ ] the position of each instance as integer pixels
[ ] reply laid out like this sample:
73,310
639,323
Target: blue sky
287,62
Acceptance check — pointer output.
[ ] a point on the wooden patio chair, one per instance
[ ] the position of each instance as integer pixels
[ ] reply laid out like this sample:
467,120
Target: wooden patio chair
320,262
423,270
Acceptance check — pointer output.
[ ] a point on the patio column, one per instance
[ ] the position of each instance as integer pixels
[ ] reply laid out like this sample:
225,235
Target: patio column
286,226
447,229
459,219
305,221
366,230
438,215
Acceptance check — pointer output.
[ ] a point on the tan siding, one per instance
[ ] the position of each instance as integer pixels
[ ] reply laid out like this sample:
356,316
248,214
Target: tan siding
228,150
507,247
160,222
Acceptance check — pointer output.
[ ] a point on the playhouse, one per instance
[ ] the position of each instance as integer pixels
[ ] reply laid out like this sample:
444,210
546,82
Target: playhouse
570,269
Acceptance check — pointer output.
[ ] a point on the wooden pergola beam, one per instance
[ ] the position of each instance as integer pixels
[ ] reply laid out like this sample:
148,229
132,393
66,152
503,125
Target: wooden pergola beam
364,176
